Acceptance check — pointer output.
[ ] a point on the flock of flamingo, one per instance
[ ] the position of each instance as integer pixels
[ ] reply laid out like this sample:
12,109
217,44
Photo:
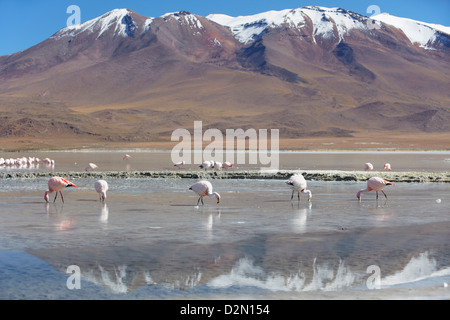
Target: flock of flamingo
26,162
296,182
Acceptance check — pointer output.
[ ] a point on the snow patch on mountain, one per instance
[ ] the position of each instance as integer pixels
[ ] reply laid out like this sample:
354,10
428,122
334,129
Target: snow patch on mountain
148,23
328,23
248,28
417,32
119,19
184,18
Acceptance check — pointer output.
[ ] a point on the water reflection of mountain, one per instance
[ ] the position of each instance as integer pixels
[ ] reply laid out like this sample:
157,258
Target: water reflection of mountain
278,262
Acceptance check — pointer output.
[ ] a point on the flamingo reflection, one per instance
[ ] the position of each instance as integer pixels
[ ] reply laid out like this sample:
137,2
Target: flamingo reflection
300,218
104,213
60,223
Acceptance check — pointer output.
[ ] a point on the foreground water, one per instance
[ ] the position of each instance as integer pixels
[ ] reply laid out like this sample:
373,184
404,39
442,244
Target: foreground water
150,241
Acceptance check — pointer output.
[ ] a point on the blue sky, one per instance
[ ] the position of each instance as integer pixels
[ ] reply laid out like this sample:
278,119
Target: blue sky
25,23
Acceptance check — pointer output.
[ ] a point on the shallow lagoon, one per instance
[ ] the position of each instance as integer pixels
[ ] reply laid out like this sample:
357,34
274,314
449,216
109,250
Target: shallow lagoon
143,160
150,241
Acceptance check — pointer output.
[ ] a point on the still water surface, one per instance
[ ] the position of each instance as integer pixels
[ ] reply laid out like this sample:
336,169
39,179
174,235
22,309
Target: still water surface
150,240
306,160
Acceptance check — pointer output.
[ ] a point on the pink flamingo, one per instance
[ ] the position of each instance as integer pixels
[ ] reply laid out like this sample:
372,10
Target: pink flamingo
387,167
91,166
101,186
298,183
57,184
368,166
180,164
204,188
375,184
227,165
206,164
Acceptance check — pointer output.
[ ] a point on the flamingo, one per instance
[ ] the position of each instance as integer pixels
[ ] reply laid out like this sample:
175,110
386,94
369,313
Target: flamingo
227,165
298,183
368,166
49,162
204,188
218,165
126,157
101,186
375,184
57,184
91,166
206,164
180,164
387,167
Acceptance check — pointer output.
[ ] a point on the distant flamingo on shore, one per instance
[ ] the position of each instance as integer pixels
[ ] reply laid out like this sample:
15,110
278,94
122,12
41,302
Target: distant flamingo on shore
91,166
206,164
204,188
57,184
227,165
368,166
387,167
375,184
217,165
180,164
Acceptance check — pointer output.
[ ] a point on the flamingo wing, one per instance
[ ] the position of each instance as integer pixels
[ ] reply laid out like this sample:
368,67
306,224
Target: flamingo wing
202,188
101,186
59,183
297,182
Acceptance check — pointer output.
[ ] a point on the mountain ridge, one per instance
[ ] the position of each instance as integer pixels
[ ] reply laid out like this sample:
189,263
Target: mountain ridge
308,71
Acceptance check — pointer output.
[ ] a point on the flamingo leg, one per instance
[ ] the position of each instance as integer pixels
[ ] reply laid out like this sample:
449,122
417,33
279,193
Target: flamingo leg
54,199
298,196
384,194
62,196
292,196
200,199
377,194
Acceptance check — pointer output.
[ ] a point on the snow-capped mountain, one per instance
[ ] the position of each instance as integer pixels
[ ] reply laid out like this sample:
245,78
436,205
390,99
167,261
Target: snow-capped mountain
311,71
326,23
125,23
118,20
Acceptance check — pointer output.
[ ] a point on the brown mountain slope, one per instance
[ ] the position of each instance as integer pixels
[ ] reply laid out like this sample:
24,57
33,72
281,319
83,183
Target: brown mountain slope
140,79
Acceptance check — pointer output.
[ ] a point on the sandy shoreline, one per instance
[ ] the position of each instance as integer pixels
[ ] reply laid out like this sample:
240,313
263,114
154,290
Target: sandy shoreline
312,175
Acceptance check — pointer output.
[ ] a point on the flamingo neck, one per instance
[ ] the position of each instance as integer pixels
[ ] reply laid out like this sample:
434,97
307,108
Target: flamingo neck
358,195
309,193
215,194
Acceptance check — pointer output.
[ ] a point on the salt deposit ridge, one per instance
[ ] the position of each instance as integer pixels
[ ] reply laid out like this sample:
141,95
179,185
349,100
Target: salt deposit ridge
317,175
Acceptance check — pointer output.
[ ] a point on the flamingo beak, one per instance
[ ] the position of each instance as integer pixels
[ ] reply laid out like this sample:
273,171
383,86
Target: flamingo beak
309,199
72,185
359,198
218,200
